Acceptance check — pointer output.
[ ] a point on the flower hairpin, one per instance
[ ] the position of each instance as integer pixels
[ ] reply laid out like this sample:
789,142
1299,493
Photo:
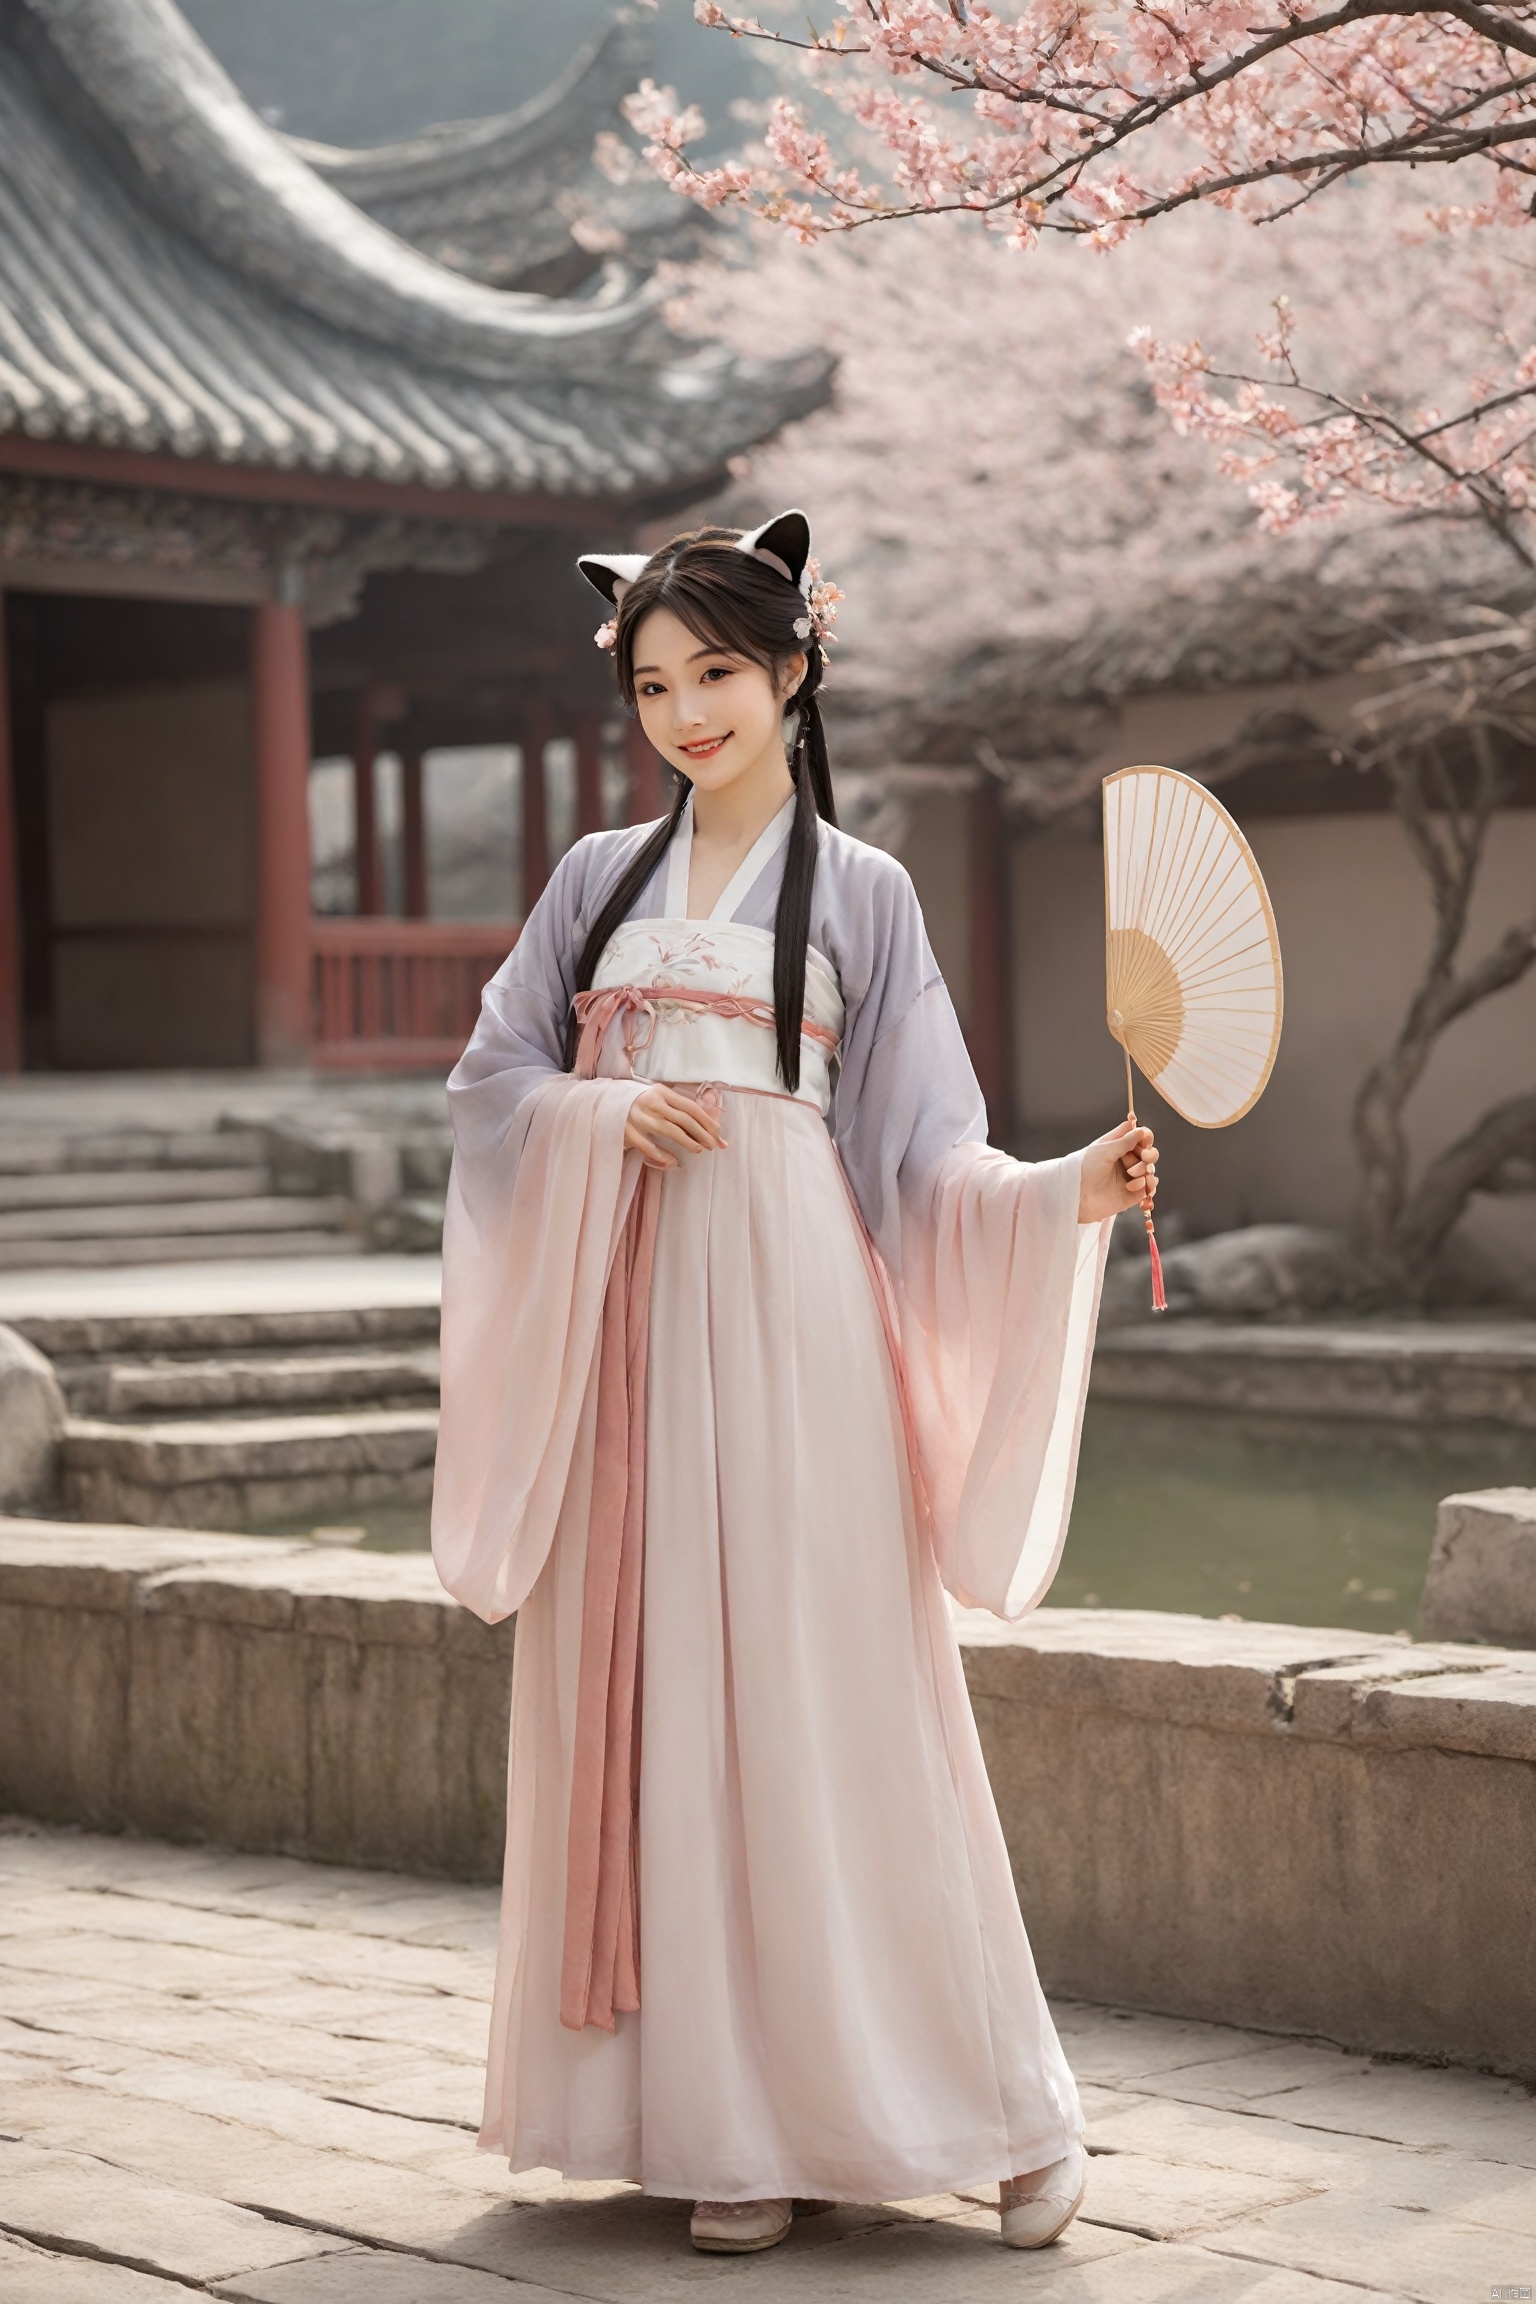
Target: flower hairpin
607,634
821,599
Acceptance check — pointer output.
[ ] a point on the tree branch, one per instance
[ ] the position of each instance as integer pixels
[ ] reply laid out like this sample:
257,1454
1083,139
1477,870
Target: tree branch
1469,1165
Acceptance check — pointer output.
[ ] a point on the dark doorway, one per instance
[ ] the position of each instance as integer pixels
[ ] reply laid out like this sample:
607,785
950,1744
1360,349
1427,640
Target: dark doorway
134,794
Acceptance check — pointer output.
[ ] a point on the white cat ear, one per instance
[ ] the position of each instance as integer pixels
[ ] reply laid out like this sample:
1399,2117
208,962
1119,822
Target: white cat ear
612,573
784,542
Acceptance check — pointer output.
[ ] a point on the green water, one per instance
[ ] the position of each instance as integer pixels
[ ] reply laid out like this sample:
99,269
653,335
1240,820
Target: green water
401,1527
1294,1520
1287,1519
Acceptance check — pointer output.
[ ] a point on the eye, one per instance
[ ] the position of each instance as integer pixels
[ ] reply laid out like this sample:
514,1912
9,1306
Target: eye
718,672
650,688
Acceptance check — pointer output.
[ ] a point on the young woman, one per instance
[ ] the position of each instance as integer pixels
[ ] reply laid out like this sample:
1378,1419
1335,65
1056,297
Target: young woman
751,1347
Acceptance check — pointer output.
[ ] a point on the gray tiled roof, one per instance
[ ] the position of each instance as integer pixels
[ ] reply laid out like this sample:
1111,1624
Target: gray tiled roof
175,279
497,198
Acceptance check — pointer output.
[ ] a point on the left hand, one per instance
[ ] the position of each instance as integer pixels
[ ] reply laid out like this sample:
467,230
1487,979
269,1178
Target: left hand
1119,1171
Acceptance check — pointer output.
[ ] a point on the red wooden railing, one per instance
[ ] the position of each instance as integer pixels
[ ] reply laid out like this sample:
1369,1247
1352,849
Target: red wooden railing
399,995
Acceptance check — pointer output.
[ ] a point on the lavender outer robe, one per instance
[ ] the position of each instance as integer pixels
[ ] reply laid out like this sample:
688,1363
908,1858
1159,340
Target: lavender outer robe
837,1995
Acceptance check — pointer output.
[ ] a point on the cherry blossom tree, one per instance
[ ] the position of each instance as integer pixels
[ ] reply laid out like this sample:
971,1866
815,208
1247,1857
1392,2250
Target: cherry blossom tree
994,473
1089,117
1093,119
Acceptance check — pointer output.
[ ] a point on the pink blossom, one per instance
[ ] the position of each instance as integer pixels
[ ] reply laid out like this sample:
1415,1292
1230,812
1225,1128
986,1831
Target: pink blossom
993,472
1094,119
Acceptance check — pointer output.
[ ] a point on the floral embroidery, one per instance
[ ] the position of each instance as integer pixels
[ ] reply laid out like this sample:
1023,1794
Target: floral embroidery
726,958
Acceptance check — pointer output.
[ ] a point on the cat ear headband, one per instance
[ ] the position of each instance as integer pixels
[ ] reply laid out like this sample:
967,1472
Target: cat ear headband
782,543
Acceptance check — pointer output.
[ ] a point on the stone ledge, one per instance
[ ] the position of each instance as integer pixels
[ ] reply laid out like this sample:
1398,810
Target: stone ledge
266,1694
1481,1583
1303,1830
98,1570
1260,1679
1403,1371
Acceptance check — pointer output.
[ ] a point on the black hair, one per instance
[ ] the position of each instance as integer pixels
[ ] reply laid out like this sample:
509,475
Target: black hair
737,603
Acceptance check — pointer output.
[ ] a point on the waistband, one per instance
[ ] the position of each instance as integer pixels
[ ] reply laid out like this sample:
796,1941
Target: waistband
595,1011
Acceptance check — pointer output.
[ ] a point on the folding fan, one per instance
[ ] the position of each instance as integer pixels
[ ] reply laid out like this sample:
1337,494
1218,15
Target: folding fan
1192,961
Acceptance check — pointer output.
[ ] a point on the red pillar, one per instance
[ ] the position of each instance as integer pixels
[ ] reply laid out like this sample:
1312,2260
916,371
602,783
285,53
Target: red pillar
10,884
990,1037
365,752
645,765
413,830
589,774
280,705
535,735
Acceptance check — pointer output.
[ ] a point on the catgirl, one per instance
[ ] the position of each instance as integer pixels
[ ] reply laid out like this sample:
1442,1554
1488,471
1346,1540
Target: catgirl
753,1348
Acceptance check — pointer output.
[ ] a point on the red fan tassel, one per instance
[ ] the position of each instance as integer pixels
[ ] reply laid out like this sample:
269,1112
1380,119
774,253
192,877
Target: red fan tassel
1159,1294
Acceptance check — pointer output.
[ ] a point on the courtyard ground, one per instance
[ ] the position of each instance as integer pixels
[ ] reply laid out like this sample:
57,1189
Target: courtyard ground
253,2078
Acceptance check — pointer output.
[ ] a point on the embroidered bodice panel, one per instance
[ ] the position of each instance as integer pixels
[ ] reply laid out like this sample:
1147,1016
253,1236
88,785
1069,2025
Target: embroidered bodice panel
725,960
679,1043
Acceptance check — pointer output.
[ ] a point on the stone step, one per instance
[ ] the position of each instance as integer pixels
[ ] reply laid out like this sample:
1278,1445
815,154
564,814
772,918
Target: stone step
27,1154
316,1379
238,1471
162,1248
268,1212
75,1339
70,1188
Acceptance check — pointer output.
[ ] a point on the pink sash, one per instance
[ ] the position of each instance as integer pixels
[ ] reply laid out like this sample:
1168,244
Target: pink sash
600,1968
595,1011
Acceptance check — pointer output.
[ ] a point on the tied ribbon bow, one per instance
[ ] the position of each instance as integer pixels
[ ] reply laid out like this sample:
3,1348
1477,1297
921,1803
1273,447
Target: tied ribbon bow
595,1011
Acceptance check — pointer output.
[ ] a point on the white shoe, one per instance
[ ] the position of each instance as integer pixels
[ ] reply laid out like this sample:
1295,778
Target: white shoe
735,2227
1037,2209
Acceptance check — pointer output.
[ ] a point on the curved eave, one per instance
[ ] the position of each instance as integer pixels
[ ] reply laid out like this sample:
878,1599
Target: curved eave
228,181
516,463
123,334
560,122
333,491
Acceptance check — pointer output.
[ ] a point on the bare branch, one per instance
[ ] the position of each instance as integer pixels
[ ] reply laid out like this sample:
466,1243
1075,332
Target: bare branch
1506,1133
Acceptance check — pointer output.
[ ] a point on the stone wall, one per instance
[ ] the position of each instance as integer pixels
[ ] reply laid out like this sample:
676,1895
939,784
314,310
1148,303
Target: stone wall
1307,1831
1302,1830
244,1690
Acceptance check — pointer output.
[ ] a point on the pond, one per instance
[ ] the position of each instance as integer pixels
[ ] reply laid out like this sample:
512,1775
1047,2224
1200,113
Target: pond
1287,1520
1290,1520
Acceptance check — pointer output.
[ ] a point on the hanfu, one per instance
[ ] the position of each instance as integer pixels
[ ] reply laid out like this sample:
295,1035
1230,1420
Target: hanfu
759,1931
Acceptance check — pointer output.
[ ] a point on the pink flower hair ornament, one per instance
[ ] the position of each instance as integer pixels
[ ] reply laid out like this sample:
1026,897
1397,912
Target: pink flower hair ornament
782,543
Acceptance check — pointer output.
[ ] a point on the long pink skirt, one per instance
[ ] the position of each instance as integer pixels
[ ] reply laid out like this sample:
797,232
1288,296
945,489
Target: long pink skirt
837,1995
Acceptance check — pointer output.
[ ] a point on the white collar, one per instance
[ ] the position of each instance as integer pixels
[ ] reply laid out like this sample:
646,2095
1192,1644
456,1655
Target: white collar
751,868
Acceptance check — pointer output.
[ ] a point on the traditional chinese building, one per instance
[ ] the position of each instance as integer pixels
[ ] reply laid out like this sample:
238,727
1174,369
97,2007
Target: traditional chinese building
296,448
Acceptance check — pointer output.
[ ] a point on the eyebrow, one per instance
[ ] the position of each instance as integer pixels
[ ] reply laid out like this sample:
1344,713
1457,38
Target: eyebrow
693,659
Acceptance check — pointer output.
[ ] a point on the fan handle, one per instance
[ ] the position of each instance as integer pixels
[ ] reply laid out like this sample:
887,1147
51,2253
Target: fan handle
1159,1292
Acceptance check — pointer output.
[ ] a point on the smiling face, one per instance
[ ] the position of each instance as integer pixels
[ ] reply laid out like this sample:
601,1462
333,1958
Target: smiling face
714,715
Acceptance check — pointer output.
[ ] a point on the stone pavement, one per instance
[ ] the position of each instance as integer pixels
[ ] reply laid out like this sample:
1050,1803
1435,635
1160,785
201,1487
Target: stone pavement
252,2078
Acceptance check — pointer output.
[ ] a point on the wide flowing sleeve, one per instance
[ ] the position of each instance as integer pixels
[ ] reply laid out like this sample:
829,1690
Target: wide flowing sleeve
995,1282
538,1197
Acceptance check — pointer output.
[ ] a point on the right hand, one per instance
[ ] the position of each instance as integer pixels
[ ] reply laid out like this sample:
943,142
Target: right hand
663,1123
